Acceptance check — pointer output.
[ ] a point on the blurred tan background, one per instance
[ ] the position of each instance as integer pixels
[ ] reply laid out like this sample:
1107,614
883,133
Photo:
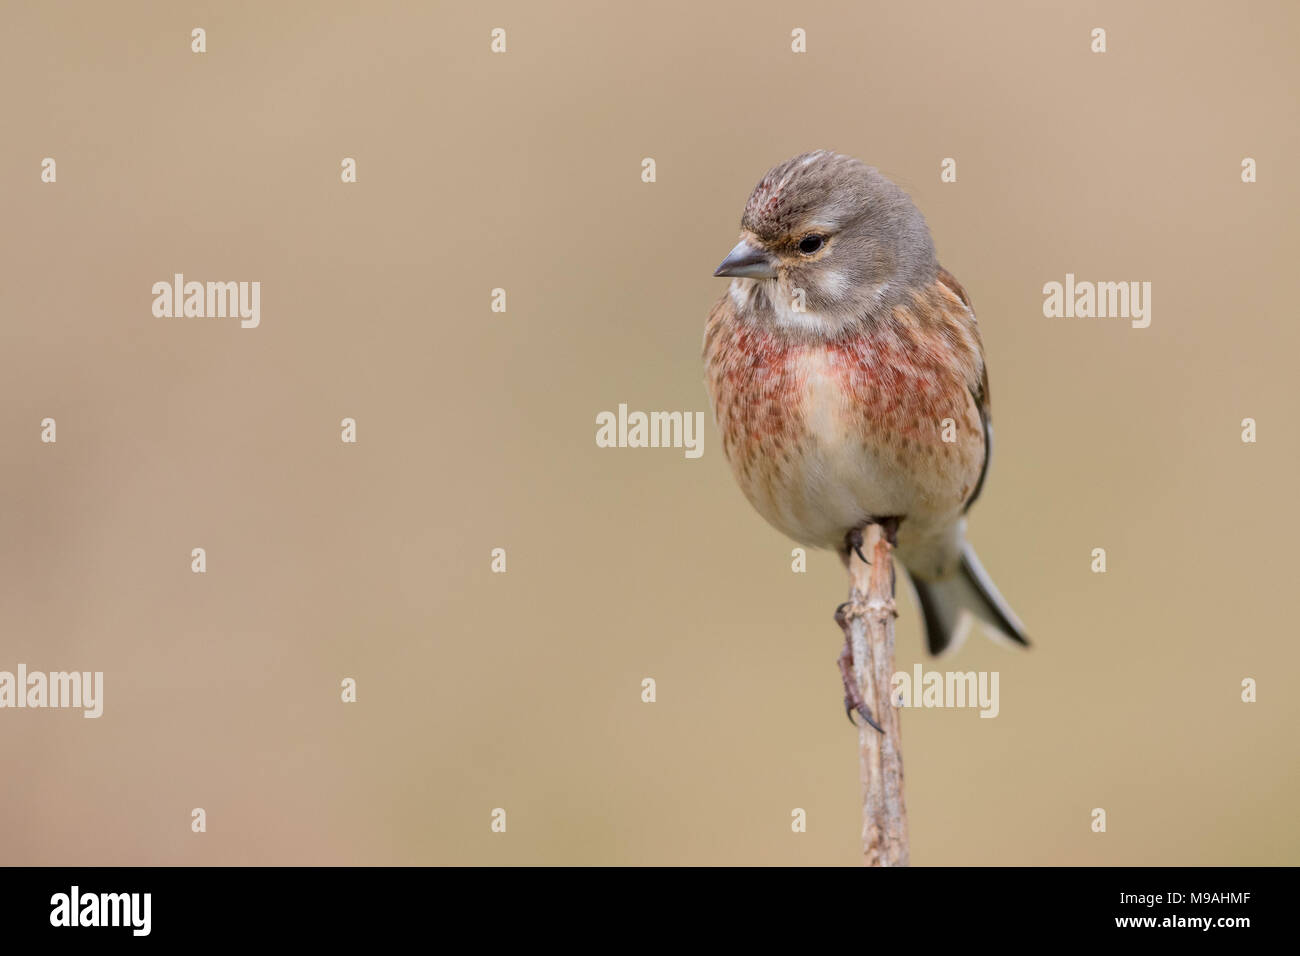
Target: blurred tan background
476,431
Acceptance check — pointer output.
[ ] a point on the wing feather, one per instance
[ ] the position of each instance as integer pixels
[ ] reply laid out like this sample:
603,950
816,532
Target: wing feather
980,392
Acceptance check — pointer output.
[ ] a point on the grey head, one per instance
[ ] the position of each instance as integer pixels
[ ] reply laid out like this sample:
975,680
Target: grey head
827,241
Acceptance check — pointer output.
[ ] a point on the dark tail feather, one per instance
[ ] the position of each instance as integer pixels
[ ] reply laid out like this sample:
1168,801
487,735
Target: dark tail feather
937,633
947,605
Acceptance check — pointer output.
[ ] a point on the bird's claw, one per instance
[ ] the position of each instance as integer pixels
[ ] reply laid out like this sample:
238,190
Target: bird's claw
855,545
863,711
853,702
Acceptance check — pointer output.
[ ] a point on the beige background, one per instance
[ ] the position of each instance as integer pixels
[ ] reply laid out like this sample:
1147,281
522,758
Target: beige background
477,431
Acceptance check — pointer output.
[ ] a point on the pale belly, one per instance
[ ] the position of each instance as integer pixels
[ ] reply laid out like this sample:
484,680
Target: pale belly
852,455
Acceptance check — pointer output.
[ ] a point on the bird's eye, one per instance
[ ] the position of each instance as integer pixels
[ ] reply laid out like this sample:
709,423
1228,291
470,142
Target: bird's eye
811,244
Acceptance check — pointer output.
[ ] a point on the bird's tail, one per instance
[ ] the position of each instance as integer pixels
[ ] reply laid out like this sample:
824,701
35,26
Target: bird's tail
950,604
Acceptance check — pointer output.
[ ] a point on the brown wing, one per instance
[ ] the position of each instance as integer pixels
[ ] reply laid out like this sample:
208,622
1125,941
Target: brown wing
981,392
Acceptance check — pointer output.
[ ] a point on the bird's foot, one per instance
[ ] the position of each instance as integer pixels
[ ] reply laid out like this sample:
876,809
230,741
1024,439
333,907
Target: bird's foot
853,543
890,527
853,540
853,700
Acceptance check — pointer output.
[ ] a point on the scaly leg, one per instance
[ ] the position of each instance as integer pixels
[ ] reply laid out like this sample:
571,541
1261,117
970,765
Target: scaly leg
853,701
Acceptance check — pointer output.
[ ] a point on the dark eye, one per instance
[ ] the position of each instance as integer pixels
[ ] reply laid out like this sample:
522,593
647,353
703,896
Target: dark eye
810,244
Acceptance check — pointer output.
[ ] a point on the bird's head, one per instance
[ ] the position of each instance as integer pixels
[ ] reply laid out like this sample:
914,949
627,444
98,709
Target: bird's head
826,240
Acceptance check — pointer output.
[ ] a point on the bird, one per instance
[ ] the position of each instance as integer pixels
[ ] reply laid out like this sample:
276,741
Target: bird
848,384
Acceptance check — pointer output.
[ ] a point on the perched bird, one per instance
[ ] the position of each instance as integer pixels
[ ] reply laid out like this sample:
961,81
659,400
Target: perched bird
848,384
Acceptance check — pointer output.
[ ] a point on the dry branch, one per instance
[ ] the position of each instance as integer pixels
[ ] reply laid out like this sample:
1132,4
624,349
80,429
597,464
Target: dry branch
870,616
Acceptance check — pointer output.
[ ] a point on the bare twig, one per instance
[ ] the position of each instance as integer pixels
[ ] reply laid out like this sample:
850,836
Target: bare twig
870,616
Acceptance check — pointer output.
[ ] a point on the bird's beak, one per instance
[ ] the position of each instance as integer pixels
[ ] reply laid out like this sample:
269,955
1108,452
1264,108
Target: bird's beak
746,262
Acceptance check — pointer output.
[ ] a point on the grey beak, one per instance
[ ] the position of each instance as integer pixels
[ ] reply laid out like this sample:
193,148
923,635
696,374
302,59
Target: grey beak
746,262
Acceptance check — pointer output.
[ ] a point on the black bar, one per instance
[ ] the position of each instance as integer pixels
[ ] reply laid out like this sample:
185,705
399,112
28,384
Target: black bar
370,905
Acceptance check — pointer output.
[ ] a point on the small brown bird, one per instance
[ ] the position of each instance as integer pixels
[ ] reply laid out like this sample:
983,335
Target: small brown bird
848,383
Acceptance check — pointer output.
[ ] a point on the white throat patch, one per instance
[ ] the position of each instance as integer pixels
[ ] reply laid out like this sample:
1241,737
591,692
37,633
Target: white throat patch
789,310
